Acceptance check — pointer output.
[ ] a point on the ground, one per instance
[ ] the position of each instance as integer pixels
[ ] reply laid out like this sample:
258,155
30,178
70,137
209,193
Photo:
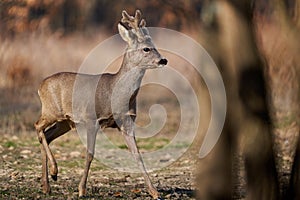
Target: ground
20,173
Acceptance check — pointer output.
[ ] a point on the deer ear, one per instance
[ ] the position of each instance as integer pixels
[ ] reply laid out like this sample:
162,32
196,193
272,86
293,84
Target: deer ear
126,35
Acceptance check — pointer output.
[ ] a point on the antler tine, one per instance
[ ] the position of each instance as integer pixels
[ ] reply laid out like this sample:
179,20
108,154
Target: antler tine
138,14
143,23
133,22
126,18
138,19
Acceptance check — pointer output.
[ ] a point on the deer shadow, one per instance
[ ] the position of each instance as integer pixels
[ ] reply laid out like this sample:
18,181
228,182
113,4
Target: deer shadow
173,193
177,193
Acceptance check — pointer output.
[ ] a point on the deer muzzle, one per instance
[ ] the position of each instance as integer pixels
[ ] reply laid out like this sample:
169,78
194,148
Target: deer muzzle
163,61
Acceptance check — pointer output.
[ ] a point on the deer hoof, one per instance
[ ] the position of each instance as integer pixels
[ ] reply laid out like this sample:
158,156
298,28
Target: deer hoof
82,192
54,177
46,189
154,194
53,172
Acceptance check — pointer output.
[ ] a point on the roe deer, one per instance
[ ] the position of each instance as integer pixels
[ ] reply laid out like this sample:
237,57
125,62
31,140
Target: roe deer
56,94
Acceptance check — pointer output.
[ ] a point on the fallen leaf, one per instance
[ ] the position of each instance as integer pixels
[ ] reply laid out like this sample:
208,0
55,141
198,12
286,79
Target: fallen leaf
117,194
136,191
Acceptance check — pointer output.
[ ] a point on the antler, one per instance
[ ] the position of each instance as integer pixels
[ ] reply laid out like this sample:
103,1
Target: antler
134,22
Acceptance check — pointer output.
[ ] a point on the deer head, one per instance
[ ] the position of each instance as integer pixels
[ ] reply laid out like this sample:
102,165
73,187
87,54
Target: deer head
141,52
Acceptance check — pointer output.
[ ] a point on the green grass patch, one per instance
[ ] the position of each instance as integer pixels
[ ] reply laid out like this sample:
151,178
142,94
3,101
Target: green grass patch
8,144
122,146
152,143
149,144
72,163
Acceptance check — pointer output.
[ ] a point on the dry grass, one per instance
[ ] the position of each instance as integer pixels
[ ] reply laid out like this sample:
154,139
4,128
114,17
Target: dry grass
27,59
24,62
42,55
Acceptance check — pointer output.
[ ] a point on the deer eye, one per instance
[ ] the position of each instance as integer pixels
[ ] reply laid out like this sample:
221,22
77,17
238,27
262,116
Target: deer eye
146,49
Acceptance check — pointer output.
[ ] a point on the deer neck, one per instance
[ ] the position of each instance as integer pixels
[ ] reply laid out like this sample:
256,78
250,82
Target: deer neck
127,83
130,73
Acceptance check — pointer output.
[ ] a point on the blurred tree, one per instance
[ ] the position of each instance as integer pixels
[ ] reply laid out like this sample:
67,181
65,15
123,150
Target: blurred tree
228,34
18,16
287,15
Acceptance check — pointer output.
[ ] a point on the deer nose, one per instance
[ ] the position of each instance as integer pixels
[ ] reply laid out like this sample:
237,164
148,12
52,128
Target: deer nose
163,61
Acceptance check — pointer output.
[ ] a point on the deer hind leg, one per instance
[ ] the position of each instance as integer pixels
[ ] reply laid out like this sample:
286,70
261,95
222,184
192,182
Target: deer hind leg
92,128
58,129
129,135
45,137
40,125
45,179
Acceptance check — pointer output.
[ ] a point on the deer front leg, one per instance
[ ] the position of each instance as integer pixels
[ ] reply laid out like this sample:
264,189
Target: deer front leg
91,138
128,132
